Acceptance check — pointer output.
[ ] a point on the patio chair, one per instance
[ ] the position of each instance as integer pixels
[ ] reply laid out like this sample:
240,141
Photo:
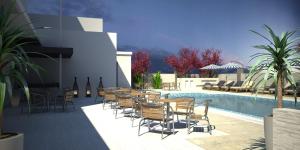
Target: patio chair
166,86
184,107
125,101
68,98
109,97
100,93
152,97
227,85
156,112
218,85
195,118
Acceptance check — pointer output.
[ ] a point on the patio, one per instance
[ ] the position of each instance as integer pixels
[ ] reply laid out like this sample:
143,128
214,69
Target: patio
91,127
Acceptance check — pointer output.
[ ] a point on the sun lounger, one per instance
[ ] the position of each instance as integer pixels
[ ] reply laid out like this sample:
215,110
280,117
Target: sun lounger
207,85
246,86
236,84
218,85
291,90
227,85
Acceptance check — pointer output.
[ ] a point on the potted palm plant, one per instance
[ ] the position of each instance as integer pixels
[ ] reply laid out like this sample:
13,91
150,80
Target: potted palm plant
275,64
156,80
14,64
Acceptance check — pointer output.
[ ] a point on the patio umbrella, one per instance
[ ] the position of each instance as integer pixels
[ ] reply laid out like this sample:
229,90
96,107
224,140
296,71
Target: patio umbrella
234,65
210,67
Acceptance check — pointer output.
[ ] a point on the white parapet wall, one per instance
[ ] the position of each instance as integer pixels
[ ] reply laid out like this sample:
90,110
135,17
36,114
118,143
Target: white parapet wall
168,78
286,129
124,69
194,83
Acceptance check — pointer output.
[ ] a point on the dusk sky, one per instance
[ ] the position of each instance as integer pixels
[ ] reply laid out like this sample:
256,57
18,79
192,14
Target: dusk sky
169,25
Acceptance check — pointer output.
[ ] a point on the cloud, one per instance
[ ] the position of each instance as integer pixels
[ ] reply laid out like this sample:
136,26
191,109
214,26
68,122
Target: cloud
81,8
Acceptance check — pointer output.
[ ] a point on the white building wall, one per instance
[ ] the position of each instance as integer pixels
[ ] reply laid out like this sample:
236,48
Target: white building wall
124,69
68,23
94,55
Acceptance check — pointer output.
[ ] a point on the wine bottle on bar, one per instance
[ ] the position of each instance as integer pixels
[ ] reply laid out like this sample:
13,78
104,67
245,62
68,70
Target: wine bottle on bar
88,88
75,88
100,86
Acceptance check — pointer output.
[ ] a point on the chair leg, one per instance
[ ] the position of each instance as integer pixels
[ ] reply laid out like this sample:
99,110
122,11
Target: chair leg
173,127
140,126
96,98
148,125
208,127
104,101
162,131
116,113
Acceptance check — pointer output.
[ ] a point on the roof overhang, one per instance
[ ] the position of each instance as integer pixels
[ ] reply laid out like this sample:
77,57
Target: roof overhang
54,52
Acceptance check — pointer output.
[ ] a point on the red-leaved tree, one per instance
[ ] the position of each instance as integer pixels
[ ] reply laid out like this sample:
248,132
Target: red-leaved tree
139,66
210,56
186,60
140,62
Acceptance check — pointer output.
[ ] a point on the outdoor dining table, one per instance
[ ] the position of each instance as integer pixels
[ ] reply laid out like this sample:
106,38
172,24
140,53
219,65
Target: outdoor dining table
167,101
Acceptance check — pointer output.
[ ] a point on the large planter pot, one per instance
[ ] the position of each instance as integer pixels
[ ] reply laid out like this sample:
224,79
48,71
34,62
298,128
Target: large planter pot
268,132
14,142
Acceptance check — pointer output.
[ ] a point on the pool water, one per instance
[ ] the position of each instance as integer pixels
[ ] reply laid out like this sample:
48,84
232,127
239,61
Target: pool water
249,105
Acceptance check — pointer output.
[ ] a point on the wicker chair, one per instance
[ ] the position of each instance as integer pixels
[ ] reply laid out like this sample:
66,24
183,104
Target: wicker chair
156,112
100,93
109,97
153,97
68,98
184,107
194,117
125,101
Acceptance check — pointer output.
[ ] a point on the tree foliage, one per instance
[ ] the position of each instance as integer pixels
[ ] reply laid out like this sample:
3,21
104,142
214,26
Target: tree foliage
189,59
186,60
276,62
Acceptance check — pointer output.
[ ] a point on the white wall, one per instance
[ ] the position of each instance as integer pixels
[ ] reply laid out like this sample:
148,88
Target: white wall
167,78
94,55
231,76
68,23
124,69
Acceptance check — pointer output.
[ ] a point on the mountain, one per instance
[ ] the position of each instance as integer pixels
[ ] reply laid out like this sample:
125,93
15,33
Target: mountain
157,57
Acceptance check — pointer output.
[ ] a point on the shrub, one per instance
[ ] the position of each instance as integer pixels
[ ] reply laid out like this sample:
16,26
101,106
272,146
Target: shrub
156,81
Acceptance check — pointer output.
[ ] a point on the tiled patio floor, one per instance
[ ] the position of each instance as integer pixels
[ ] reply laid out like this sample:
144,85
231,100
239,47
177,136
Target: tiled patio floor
90,127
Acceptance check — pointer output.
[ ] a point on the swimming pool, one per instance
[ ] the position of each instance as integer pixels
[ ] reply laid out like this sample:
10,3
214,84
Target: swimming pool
249,105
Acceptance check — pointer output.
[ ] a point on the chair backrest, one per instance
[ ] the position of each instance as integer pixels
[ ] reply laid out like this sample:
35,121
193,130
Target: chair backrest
154,112
125,101
221,83
229,83
185,104
250,84
109,95
238,83
68,95
153,97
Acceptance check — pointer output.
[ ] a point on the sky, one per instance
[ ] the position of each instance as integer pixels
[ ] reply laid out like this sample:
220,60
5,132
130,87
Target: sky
168,25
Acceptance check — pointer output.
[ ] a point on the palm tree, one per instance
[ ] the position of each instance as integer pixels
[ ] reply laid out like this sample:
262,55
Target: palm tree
14,62
276,63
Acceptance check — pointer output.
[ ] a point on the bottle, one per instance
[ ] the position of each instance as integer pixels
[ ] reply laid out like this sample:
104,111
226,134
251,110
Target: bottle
100,86
88,88
75,88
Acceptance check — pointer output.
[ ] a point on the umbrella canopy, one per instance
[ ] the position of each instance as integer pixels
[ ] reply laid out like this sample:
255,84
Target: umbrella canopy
232,65
210,67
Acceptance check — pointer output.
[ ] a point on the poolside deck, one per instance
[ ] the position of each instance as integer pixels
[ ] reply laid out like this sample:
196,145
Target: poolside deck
91,127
